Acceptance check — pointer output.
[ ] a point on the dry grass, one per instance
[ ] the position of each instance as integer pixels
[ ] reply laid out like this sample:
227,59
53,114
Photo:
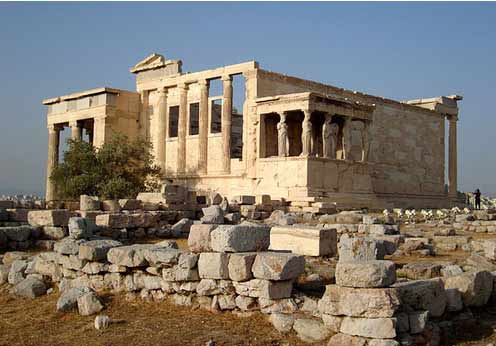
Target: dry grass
36,323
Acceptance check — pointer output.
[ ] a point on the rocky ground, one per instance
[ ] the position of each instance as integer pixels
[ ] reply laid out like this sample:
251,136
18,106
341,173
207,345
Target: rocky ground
143,323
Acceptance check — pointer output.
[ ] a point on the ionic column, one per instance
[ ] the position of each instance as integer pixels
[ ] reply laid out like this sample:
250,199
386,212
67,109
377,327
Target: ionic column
52,161
101,131
161,126
76,131
203,127
306,134
226,124
181,128
452,158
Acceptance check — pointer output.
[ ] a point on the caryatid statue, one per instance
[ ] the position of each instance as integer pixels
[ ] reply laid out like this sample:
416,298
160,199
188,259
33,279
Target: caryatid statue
330,137
282,137
347,139
306,134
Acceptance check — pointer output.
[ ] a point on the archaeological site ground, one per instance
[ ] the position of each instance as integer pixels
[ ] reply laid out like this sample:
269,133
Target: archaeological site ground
290,213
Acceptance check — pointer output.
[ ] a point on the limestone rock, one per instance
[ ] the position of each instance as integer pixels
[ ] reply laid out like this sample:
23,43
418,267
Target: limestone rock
278,266
278,217
102,322
16,272
359,302
4,273
475,287
68,299
89,304
128,256
80,228
11,256
310,330
213,215
54,217
240,266
68,246
378,328
360,249
17,233
183,226
130,204
341,339
213,265
423,295
365,274
454,299
30,288
258,288
419,271
199,237
53,233
116,220
96,250
282,322
111,205
87,203
246,303
240,238
304,240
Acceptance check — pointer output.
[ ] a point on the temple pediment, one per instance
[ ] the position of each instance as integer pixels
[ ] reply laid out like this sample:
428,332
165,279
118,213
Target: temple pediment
151,62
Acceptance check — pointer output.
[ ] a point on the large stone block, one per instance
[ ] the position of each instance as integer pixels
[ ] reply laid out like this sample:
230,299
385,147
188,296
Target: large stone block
240,266
359,302
30,288
55,217
365,274
240,238
258,288
489,246
213,265
18,233
96,250
130,204
129,256
423,295
304,241
162,256
310,330
87,203
112,220
378,328
199,237
212,215
80,228
53,233
475,287
360,249
278,266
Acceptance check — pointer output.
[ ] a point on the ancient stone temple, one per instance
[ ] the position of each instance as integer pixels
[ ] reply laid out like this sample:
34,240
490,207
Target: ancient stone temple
308,143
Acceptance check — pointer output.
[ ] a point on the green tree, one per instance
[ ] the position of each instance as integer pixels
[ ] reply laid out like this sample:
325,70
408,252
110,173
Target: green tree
119,169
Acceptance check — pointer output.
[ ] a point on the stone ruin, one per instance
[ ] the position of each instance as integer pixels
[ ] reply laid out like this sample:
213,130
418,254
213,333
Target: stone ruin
329,278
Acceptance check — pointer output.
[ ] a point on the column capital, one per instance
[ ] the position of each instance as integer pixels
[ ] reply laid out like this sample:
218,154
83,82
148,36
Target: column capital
452,117
203,82
307,112
53,127
162,90
227,78
182,86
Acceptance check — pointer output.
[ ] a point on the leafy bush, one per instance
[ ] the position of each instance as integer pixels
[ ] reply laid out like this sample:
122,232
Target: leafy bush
119,169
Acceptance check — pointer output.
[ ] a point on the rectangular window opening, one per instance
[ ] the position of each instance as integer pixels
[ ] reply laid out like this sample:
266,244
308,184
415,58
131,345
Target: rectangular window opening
194,118
173,121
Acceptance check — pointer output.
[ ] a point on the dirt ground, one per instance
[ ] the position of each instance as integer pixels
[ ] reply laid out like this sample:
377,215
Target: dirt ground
26,322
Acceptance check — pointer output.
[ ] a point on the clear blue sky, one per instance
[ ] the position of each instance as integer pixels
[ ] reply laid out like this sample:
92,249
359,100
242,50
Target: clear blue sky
397,50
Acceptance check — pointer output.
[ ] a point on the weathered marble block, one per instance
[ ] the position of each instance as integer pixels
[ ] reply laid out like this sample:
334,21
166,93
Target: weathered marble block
96,250
475,287
240,238
258,288
365,274
304,241
423,295
278,266
55,217
359,302
213,265
199,237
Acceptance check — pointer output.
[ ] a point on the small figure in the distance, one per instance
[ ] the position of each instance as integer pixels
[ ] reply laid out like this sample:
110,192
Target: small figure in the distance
477,195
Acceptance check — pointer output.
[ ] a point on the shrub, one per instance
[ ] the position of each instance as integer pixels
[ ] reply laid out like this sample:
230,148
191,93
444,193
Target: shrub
119,169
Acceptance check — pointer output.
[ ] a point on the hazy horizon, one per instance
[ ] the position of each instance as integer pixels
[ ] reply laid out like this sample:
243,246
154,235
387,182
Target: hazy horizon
400,51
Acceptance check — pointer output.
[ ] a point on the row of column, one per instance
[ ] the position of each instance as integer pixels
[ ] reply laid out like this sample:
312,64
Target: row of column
53,149
330,133
226,121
